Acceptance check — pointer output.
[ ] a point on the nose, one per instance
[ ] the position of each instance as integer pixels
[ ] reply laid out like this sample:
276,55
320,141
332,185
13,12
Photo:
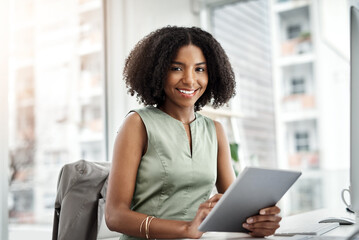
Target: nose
188,77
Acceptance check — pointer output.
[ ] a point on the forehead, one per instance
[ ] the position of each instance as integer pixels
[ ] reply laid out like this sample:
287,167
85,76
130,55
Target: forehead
190,52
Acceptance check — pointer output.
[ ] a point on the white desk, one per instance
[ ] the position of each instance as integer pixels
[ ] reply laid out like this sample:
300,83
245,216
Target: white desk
307,218
315,216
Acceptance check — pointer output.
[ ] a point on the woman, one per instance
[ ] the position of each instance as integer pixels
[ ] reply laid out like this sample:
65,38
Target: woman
167,157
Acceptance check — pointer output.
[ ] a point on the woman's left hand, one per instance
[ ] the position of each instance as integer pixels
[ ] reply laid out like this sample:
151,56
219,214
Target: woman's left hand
264,224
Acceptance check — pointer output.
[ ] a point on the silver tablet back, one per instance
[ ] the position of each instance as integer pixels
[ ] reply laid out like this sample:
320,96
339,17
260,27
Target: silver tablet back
254,189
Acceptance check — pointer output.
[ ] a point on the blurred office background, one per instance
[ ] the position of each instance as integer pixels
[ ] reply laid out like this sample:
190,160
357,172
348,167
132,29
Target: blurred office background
66,98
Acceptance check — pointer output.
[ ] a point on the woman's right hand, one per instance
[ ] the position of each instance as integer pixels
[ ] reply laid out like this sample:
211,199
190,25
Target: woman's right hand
202,212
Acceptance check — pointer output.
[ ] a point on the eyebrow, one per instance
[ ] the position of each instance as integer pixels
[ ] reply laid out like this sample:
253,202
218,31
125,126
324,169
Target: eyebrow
179,63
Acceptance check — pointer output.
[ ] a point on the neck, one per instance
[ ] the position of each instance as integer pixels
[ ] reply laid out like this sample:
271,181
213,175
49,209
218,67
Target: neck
185,115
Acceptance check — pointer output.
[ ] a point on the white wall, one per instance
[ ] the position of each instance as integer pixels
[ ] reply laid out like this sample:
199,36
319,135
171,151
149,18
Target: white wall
128,22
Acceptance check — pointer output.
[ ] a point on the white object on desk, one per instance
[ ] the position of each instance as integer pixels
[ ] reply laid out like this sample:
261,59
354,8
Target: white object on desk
307,229
340,220
317,238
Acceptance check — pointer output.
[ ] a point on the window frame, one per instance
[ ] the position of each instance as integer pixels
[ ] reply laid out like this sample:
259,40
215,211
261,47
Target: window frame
116,96
4,156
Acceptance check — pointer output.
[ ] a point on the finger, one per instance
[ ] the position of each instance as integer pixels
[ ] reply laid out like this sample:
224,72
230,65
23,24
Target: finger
193,227
204,205
216,197
270,211
210,203
202,214
264,218
261,233
213,204
264,225
207,204
247,226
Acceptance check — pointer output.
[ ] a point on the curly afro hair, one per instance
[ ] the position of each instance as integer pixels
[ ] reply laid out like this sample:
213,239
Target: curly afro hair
147,65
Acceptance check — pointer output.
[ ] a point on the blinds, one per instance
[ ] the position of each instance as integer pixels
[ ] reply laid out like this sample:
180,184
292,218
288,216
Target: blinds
243,29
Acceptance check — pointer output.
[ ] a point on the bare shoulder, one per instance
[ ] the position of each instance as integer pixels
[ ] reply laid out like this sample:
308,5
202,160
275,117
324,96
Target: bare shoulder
132,122
221,134
217,124
133,119
219,128
132,133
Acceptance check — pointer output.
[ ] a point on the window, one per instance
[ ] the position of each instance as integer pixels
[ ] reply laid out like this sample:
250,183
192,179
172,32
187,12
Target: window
302,142
309,116
293,31
306,75
56,91
298,85
243,30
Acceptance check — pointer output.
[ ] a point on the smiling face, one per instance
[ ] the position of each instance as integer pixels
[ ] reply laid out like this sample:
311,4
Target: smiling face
187,78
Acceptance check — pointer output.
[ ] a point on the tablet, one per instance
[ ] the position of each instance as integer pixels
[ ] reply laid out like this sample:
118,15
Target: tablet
254,189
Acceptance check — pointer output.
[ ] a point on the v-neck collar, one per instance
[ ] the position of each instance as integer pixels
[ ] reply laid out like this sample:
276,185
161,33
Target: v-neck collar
191,129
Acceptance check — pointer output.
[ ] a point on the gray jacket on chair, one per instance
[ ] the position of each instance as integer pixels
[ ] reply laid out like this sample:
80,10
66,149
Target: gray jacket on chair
78,214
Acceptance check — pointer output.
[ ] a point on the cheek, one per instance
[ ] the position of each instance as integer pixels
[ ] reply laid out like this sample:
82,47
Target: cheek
204,82
171,79
168,82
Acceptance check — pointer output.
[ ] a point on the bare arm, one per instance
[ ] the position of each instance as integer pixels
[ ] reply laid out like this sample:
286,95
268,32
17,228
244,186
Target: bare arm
130,145
225,172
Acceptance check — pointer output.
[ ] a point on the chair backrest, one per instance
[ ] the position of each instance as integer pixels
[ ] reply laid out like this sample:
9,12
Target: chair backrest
78,214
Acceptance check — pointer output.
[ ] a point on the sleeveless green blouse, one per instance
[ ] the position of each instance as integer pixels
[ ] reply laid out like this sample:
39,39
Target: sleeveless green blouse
171,181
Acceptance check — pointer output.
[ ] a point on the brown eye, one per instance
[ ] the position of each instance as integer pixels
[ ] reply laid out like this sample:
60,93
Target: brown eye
200,69
176,69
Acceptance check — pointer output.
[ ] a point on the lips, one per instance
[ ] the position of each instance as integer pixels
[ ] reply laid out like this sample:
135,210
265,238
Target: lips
187,92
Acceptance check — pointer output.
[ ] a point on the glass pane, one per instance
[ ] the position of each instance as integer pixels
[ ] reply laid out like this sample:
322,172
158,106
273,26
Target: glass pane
244,32
293,98
56,100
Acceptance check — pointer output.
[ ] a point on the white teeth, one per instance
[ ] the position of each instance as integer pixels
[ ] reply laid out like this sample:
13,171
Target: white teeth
186,92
